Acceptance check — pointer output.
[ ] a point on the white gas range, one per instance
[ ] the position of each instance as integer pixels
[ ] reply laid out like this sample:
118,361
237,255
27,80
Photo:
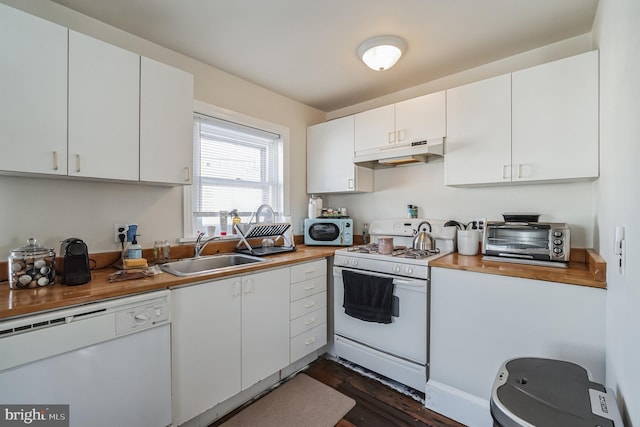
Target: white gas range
381,307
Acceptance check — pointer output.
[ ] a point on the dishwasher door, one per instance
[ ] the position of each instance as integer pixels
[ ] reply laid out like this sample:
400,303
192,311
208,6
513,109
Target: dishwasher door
122,378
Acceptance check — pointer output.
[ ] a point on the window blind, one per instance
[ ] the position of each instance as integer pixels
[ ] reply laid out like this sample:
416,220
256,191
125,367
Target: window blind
235,167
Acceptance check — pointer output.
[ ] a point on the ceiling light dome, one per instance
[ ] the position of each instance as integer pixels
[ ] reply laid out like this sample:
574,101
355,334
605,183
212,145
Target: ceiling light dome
382,52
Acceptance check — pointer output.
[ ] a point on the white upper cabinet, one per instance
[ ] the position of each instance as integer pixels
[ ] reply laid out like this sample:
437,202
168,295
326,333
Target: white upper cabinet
555,120
538,124
478,147
166,123
103,109
330,167
398,125
33,104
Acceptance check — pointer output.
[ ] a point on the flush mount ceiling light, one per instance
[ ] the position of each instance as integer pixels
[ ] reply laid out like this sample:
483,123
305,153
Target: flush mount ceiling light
382,52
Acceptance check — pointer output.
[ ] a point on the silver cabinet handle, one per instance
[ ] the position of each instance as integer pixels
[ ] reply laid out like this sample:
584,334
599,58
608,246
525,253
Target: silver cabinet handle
55,160
519,170
310,304
391,138
310,341
187,174
78,163
350,183
401,134
310,321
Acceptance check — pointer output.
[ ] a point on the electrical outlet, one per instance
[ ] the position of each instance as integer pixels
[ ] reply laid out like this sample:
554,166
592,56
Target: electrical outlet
478,224
121,229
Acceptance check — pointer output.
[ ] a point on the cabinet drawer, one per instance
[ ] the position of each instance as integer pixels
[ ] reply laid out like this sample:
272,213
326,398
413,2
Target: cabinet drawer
308,287
308,270
310,341
308,304
308,322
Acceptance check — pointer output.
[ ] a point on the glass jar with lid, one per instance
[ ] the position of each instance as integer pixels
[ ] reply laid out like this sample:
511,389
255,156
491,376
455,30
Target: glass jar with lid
31,266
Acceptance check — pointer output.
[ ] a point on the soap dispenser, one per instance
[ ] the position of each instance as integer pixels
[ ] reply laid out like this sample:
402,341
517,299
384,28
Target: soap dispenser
235,220
134,251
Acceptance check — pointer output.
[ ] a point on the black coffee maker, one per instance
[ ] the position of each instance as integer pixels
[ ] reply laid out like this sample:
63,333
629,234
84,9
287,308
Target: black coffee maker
75,263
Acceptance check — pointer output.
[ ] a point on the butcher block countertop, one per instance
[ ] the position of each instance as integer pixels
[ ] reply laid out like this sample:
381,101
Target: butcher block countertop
19,302
586,268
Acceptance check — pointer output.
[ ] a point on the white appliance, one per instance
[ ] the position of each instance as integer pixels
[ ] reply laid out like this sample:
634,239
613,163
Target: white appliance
109,361
399,349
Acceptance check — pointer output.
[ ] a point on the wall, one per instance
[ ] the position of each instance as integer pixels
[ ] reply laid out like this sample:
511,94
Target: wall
617,35
423,185
52,210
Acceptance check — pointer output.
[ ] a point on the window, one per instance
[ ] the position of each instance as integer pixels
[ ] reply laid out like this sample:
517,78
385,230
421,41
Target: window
236,166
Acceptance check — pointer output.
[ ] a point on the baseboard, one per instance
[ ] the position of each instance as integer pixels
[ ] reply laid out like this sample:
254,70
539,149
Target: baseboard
458,405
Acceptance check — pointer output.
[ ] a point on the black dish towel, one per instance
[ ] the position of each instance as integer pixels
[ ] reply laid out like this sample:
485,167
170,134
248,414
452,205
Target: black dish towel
368,298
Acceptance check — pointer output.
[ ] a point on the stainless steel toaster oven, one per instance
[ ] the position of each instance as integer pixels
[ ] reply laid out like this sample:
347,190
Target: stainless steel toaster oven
536,241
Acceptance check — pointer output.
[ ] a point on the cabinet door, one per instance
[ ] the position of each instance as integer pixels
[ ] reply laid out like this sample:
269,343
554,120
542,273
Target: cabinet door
166,123
555,120
478,147
375,130
205,341
265,324
104,86
33,105
330,167
420,118
509,317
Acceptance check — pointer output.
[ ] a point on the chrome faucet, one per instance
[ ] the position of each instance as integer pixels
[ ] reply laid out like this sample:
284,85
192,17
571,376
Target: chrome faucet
199,245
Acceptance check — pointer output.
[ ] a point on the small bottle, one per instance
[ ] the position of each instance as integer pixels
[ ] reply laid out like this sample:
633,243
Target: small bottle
134,251
409,211
235,220
365,234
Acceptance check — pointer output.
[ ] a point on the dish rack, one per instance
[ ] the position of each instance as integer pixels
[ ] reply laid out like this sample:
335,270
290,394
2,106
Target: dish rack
262,231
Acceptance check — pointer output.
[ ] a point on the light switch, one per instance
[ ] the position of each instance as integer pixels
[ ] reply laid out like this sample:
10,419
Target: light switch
619,248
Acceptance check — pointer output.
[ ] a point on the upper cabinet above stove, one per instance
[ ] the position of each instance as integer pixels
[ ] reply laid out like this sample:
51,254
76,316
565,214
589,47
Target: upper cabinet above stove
408,131
330,167
537,124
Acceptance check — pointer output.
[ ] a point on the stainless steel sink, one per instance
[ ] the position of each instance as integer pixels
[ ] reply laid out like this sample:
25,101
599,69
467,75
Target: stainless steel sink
208,264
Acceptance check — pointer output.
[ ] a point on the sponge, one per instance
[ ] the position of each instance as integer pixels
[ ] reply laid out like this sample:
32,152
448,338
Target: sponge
134,263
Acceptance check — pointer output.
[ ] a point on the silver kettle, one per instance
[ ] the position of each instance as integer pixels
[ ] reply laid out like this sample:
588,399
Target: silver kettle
422,240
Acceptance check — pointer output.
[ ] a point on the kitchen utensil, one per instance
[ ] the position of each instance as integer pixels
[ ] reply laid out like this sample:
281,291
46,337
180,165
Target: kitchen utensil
75,264
423,240
385,245
31,266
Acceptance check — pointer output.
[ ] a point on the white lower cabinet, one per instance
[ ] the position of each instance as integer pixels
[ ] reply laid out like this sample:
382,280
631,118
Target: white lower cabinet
308,325
227,335
478,321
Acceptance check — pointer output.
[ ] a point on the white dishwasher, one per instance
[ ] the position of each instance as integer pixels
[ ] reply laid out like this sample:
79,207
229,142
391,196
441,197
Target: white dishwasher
109,361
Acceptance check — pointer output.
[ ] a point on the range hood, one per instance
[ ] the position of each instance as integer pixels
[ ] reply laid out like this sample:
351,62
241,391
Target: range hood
418,152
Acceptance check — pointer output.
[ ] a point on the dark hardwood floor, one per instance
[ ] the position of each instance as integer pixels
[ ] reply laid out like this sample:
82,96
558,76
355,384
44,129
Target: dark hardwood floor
377,405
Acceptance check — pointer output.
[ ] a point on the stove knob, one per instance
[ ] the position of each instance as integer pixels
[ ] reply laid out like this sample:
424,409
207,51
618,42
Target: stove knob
354,262
396,269
409,270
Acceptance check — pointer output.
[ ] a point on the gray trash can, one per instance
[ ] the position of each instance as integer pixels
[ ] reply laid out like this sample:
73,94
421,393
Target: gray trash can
548,393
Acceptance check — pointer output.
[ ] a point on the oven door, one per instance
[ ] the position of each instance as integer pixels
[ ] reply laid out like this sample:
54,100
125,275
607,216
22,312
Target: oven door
405,336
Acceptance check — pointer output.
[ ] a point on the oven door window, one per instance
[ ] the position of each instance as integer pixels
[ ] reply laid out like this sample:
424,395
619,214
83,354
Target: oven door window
519,238
324,232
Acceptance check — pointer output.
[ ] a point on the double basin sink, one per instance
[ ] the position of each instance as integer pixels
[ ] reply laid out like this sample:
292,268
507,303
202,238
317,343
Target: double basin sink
208,264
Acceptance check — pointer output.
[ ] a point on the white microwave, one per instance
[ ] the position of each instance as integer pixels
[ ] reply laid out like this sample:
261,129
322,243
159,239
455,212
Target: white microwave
328,231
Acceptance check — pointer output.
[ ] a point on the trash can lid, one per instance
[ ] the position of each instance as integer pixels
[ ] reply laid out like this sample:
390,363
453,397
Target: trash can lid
547,392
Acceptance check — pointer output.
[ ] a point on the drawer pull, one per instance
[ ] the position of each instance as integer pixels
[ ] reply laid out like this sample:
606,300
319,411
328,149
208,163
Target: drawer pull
308,288
310,341
55,160
78,163
310,321
310,271
311,304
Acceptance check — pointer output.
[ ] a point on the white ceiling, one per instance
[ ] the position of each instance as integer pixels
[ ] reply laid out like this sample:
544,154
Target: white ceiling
306,49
